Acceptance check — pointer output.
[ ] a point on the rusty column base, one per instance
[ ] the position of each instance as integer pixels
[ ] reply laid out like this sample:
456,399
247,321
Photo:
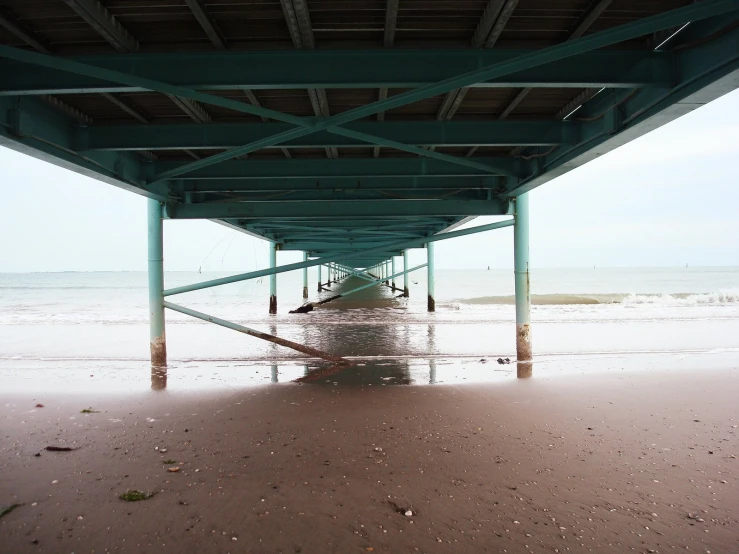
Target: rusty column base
524,364
158,377
406,292
158,348
524,370
305,292
431,303
273,304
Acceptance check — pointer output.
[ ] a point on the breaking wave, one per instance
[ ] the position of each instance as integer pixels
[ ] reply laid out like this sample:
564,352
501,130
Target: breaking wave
678,299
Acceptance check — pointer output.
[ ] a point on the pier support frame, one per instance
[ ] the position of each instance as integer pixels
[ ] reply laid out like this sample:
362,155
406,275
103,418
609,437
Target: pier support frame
405,275
392,283
431,277
522,282
320,288
273,278
305,276
157,336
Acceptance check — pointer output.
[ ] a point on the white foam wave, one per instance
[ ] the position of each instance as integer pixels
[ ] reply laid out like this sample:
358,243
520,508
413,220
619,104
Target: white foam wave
722,297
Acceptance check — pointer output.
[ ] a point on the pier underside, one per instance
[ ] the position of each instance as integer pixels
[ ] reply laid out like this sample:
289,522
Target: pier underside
349,130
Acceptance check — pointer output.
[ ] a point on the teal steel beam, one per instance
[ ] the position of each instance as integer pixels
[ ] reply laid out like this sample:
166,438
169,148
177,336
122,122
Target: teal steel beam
33,127
708,70
706,9
157,335
344,208
479,193
216,136
395,246
356,168
335,69
522,279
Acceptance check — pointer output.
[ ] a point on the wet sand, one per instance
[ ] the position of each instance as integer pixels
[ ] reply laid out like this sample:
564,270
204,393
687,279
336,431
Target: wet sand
631,462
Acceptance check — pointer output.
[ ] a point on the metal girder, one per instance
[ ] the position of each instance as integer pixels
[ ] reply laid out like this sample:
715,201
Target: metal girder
206,23
15,28
339,69
342,168
709,71
345,208
31,126
334,195
439,184
305,127
107,26
596,8
251,95
320,246
218,136
300,27
494,19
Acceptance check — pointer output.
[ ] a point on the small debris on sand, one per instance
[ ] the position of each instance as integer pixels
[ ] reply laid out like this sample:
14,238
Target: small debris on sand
173,469
89,411
39,406
135,495
5,511
60,448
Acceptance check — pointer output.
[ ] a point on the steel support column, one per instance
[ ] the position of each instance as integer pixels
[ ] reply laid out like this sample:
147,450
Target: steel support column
405,275
320,288
521,269
430,270
305,276
392,261
273,278
157,337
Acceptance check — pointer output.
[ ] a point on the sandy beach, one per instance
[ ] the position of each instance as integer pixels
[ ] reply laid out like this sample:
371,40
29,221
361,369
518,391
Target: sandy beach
633,462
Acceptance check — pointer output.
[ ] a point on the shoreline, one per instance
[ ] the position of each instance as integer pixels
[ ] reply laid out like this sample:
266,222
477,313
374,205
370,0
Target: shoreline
324,468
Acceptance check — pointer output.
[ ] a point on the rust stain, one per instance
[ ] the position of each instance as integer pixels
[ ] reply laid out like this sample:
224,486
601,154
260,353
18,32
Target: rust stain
431,303
158,348
273,304
523,342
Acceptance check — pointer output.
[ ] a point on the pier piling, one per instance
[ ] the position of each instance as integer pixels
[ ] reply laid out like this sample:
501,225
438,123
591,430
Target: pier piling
273,278
157,336
430,270
305,276
522,281
405,275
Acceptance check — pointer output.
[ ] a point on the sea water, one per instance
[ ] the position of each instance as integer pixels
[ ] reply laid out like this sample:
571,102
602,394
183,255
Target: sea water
54,325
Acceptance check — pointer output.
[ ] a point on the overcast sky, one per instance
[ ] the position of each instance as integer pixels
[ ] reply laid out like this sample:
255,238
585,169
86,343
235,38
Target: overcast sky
666,199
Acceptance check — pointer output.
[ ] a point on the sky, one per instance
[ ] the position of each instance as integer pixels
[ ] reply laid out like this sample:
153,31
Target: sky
669,198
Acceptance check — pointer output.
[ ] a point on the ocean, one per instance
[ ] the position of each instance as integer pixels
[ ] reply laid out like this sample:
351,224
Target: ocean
57,329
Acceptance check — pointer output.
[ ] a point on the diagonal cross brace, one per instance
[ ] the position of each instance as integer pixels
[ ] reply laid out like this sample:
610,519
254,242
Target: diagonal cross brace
306,126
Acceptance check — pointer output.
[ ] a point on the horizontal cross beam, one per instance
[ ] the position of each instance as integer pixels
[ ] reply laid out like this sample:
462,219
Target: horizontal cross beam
219,136
340,69
320,169
344,208
440,183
